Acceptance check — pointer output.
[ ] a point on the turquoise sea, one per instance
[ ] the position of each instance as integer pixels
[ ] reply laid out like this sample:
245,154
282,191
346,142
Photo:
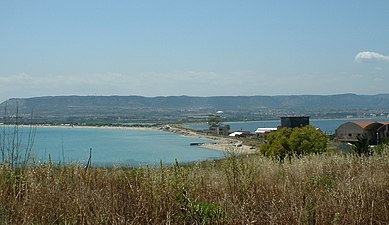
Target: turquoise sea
123,147
116,147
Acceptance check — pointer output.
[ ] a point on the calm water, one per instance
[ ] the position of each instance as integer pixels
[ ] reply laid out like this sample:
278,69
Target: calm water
117,147
327,126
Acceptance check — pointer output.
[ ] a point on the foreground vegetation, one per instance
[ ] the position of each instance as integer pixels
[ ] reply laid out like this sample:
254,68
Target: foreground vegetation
321,189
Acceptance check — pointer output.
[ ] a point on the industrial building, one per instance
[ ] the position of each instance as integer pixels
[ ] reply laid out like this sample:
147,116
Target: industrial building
219,129
375,132
294,121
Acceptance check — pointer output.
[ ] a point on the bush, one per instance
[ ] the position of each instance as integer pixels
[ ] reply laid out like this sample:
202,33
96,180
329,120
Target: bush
361,147
288,142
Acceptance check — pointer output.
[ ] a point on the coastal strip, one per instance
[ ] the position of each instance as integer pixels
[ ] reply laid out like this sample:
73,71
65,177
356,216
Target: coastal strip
219,143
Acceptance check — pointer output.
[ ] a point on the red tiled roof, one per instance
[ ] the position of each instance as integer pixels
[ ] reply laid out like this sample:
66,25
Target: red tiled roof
365,124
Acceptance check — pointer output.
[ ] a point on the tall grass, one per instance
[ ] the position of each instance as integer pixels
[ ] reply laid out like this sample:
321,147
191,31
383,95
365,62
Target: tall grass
326,189
14,151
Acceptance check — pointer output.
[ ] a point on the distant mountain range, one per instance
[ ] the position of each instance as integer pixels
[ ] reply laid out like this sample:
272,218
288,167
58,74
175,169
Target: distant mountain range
121,109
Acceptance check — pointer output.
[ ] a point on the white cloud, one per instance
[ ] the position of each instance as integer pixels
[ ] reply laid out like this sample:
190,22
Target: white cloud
370,56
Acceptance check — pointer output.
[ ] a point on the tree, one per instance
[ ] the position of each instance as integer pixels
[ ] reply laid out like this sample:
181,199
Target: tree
277,144
288,142
307,140
361,147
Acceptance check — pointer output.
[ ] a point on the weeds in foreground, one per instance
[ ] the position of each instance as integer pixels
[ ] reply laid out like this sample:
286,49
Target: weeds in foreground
336,189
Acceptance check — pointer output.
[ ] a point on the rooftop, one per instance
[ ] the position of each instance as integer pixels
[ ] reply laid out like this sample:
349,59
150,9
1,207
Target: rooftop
365,124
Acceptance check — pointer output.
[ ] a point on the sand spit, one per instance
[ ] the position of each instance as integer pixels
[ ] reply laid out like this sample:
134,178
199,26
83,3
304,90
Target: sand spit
219,143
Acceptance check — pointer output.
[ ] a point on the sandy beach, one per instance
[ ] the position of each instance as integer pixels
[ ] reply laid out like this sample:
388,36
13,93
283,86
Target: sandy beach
220,143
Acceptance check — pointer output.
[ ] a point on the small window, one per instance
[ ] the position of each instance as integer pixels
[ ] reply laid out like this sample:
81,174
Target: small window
350,134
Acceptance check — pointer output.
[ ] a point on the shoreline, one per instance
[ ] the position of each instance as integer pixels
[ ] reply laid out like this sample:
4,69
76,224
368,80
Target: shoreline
220,143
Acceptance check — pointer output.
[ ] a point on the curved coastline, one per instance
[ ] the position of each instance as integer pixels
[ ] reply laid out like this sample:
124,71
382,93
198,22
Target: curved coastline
218,143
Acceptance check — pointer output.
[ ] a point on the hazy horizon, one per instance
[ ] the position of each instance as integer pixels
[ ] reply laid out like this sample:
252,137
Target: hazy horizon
336,94
193,48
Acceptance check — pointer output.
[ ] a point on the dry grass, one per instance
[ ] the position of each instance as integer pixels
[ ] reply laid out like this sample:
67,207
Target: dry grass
326,189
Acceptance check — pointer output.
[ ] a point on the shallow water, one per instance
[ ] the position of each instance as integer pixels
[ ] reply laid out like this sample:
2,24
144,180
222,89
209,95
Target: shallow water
116,147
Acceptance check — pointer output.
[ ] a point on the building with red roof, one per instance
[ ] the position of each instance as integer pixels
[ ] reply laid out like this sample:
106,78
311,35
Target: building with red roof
375,132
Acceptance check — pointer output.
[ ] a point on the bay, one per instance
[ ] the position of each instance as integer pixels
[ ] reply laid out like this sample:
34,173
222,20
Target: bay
124,147
116,147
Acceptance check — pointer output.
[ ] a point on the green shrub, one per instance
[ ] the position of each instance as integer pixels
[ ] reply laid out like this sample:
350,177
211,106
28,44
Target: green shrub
287,142
199,212
361,147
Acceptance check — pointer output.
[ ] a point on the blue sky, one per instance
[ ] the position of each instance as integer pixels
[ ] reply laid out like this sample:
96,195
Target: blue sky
198,48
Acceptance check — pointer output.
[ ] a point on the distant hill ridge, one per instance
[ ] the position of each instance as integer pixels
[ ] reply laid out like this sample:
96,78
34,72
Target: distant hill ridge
188,102
95,106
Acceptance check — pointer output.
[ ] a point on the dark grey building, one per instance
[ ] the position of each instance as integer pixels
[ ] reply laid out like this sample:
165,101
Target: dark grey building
294,121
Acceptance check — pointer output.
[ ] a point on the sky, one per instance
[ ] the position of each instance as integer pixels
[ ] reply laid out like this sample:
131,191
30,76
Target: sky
195,48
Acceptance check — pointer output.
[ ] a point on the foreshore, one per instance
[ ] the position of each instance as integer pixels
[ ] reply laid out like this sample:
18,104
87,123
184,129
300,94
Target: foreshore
219,143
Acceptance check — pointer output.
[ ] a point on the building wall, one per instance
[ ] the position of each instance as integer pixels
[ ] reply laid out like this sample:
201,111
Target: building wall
383,133
349,132
372,133
219,129
294,121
